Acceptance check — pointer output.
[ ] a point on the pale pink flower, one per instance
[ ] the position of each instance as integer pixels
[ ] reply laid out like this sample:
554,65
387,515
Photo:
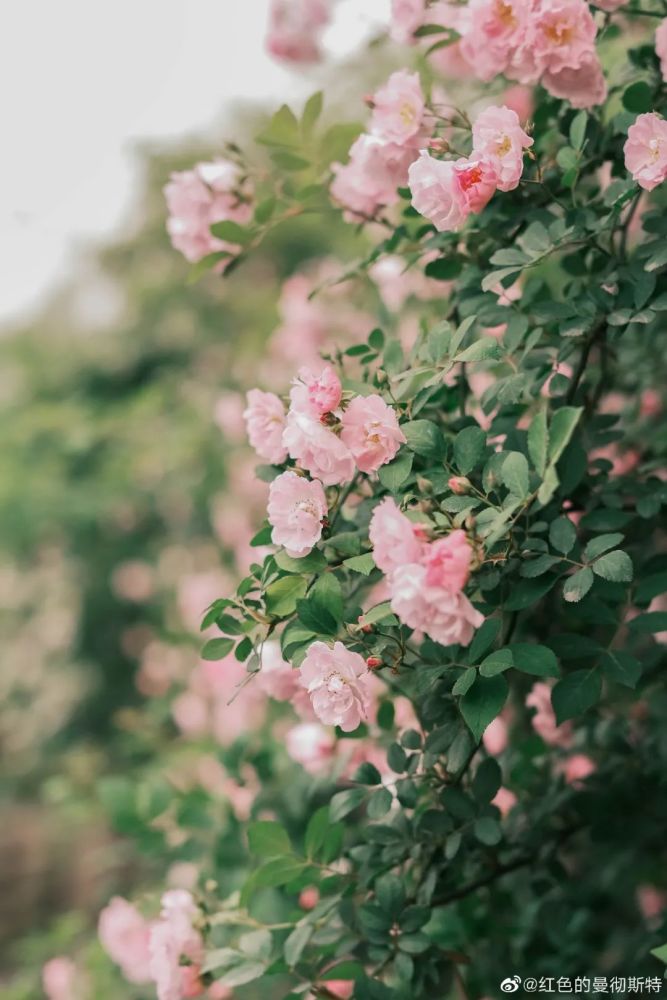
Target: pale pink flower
296,510
371,177
333,678
124,935
577,768
646,150
544,720
496,737
583,86
276,677
295,27
398,109
447,561
651,902
504,799
191,713
173,937
191,983
311,745
324,390
228,415
450,60
265,421
316,448
437,194
520,99
494,30
371,432
448,618
210,192
560,35
59,979
661,46
133,580
395,539
497,135
406,17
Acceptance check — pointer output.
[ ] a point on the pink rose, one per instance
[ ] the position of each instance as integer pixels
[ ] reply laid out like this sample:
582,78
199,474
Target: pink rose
395,539
265,422
297,507
646,150
210,192
371,432
294,29
124,935
577,768
398,109
661,46
59,979
583,87
406,17
478,180
447,561
333,678
311,745
497,135
560,35
436,193
370,179
494,30
504,799
173,937
316,448
324,390
446,617
544,720
276,677
495,737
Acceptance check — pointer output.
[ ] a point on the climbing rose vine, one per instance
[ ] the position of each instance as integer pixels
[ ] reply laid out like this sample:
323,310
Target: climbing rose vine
459,589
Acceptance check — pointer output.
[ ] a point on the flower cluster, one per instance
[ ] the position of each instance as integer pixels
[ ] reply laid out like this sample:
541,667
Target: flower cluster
196,199
426,579
295,27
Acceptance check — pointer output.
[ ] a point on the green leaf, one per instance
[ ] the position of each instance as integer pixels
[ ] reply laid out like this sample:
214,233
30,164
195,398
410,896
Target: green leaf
296,942
562,534
346,802
527,592
483,638
360,564
496,663
615,566
423,437
465,681
488,779
578,130
244,972
232,232
484,349
390,894
622,667
561,430
275,872
638,97
601,544
263,536
282,596
397,758
651,621
660,953
393,475
444,268
326,593
217,649
651,586
530,658
536,567
311,112
379,803
578,585
576,693
380,613
367,774
469,448
316,831
483,703
515,474
268,839
282,130
538,441
488,831
314,562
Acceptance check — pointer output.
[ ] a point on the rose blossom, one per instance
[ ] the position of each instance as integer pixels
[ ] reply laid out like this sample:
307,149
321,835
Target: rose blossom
661,46
497,135
124,935
210,192
494,31
583,87
323,391
333,679
646,150
577,768
560,35
395,539
436,193
446,617
59,979
371,177
544,720
296,509
495,737
447,561
276,677
171,938
316,448
478,180
504,800
265,421
371,432
294,27
398,109
406,17
311,745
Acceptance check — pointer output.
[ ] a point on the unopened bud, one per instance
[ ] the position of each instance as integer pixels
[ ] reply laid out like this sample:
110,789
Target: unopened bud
459,485
369,101
373,662
424,485
363,626
438,145
381,376
328,419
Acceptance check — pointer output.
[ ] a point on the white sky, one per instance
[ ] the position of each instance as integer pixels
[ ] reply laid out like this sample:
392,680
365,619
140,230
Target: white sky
81,81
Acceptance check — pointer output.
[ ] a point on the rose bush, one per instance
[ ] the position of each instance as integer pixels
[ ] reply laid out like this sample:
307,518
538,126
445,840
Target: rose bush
459,593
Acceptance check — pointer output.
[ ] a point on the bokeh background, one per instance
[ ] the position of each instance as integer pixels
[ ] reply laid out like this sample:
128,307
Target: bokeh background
125,501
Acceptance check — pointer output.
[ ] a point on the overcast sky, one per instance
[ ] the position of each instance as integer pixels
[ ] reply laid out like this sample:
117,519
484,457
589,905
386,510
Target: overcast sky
81,81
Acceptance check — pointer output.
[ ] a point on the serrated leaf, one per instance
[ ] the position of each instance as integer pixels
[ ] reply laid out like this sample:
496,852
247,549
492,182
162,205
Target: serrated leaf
394,474
562,534
268,839
515,474
538,441
469,448
601,544
615,566
496,663
562,427
281,597
576,693
578,585
217,649
531,658
465,681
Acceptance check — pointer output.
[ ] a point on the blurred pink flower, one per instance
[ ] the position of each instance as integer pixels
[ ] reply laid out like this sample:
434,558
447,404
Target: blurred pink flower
324,390
577,768
447,561
544,720
59,979
406,17
311,745
124,935
294,29
495,738
505,800
265,421
371,177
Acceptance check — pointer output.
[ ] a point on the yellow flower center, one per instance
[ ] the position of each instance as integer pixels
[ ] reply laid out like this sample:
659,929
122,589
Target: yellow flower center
504,146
